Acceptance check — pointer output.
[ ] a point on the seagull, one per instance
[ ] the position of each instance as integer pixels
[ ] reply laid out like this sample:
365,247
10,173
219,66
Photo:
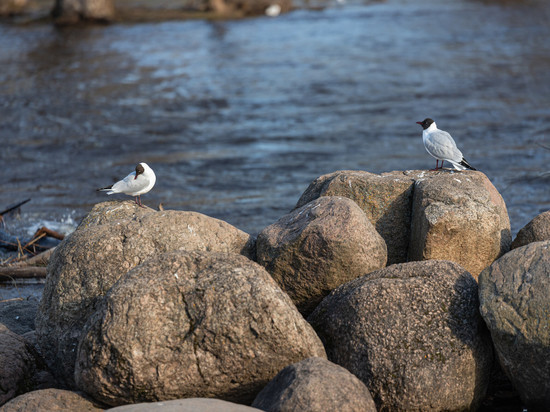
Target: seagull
440,144
135,184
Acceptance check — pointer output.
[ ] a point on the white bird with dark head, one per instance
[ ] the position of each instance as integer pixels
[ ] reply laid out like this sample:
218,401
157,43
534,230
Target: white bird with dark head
135,184
441,145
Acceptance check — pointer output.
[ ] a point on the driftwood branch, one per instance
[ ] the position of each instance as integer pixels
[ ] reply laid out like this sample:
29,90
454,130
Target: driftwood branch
10,272
41,259
48,232
16,206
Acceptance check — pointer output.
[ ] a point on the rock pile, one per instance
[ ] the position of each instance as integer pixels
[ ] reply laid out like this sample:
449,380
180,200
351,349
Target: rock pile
142,306
427,215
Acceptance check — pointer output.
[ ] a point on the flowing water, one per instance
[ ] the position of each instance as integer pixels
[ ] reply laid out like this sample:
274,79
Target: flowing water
237,117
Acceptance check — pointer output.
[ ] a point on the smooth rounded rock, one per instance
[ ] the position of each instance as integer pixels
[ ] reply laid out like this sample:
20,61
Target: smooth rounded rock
51,400
514,296
90,260
318,247
537,230
191,324
461,217
315,385
413,334
186,405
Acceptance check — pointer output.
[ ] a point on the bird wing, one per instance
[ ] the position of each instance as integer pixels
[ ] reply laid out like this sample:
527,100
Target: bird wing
130,185
441,145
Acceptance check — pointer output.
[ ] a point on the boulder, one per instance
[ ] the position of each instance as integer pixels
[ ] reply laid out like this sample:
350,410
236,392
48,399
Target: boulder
318,247
90,260
112,211
185,405
51,400
537,230
315,385
459,217
413,334
19,363
386,200
18,315
514,302
191,324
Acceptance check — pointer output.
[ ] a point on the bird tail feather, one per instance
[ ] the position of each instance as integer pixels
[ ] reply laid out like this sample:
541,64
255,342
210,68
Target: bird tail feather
107,189
467,165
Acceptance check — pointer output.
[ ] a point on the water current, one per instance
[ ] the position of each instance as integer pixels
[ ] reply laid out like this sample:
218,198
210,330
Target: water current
237,117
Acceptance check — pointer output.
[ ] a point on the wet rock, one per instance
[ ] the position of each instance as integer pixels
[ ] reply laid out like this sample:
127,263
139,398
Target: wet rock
386,200
459,217
90,260
75,11
18,315
318,247
412,333
112,211
51,400
537,230
514,302
219,317
185,405
315,385
19,363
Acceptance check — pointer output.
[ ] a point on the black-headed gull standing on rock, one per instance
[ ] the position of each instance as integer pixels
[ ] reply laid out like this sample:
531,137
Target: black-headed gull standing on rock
441,145
135,184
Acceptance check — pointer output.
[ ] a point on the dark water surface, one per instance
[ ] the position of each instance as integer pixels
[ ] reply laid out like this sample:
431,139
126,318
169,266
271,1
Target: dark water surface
237,117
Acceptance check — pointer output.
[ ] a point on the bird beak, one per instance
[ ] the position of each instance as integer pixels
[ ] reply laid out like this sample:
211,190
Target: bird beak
135,177
420,123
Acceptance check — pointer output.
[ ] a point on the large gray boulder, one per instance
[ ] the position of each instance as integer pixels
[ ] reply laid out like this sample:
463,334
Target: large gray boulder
19,365
319,247
514,301
90,260
413,334
191,324
386,199
186,405
51,400
537,230
315,385
459,217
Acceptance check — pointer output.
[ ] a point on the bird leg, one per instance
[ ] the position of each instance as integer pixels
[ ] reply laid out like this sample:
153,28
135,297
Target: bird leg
437,167
138,202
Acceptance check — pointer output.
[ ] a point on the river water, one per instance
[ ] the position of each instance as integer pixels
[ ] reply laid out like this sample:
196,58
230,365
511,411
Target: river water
238,117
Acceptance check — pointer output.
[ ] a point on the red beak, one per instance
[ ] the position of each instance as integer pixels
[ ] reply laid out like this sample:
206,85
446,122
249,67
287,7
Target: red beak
419,123
135,177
